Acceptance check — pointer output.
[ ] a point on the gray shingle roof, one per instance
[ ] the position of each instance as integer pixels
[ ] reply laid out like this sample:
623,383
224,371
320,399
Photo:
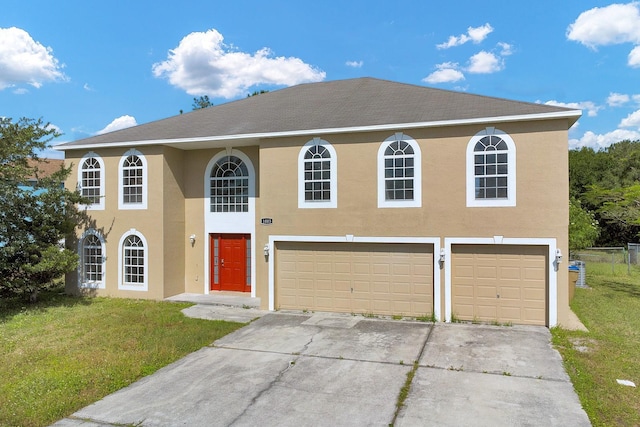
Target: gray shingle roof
341,104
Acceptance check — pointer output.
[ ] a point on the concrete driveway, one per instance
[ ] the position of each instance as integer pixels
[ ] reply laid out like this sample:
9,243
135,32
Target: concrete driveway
342,370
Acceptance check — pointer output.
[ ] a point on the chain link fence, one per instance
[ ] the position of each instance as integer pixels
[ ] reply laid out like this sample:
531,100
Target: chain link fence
611,260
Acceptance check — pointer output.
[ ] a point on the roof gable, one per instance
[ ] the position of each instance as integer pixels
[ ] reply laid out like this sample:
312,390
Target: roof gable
334,105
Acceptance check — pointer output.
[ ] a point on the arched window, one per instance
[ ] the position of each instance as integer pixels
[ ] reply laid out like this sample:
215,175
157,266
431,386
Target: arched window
91,180
399,172
92,261
491,169
133,266
133,181
317,181
229,185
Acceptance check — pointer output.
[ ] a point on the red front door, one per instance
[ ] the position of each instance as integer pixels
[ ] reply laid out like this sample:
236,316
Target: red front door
230,264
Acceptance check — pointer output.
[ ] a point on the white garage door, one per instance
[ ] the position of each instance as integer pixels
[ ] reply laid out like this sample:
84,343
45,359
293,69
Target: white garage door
376,278
502,283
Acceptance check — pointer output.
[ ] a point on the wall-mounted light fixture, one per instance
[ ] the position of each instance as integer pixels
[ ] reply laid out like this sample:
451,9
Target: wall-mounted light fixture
192,239
558,256
266,250
442,254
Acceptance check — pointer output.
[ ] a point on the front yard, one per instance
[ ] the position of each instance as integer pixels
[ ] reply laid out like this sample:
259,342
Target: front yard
64,353
610,309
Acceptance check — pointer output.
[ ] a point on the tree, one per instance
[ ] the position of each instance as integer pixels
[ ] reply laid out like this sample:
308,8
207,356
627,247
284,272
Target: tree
604,182
33,220
583,226
619,208
202,102
257,92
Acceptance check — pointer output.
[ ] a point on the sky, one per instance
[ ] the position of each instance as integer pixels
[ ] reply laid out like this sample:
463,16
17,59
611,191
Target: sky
89,67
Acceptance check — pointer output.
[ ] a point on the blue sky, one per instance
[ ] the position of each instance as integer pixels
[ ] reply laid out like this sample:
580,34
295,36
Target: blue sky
90,67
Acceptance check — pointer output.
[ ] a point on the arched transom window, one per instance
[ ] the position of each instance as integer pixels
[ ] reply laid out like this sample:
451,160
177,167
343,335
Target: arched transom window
229,186
132,179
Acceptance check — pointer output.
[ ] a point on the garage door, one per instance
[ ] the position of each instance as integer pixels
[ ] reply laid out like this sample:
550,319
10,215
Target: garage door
500,283
387,279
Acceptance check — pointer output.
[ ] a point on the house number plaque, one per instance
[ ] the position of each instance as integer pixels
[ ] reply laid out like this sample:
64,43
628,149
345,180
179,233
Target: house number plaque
266,221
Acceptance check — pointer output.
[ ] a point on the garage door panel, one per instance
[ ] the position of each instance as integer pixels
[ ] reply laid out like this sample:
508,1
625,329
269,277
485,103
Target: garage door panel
361,268
484,312
534,274
515,275
378,278
511,293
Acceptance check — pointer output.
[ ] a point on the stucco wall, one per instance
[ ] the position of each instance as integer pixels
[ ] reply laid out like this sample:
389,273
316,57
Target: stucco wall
541,210
113,223
176,200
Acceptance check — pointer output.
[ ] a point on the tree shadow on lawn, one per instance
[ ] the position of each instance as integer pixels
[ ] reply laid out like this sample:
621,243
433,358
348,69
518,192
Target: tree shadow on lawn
622,287
55,297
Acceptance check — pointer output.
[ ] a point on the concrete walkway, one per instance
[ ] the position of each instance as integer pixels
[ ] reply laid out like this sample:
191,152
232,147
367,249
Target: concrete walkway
292,369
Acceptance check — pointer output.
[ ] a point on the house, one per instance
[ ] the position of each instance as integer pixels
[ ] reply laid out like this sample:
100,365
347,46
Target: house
355,196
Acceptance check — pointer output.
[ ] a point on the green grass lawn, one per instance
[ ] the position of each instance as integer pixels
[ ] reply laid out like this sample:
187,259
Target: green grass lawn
610,309
64,353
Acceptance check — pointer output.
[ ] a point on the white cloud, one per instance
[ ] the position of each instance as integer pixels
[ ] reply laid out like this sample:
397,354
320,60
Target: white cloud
634,57
617,99
87,87
484,63
446,72
24,60
505,49
354,64
474,34
592,108
597,142
121,122
636,98
613,24
203,64
632,120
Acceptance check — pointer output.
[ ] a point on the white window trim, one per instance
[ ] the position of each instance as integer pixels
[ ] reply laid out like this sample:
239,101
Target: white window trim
145,183
435,241
144,286
511,174
333,180
552,268
91,285
417,174
93,206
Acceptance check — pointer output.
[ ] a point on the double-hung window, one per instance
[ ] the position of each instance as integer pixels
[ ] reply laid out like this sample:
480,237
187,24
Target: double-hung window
133,181
91,181
133,262
92,260
317,175
399,172
491,168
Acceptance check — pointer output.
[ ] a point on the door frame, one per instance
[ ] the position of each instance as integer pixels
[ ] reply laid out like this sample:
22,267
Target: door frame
220,237
552,268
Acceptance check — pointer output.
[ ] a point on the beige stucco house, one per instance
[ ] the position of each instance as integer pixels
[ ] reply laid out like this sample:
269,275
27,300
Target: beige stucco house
355,196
